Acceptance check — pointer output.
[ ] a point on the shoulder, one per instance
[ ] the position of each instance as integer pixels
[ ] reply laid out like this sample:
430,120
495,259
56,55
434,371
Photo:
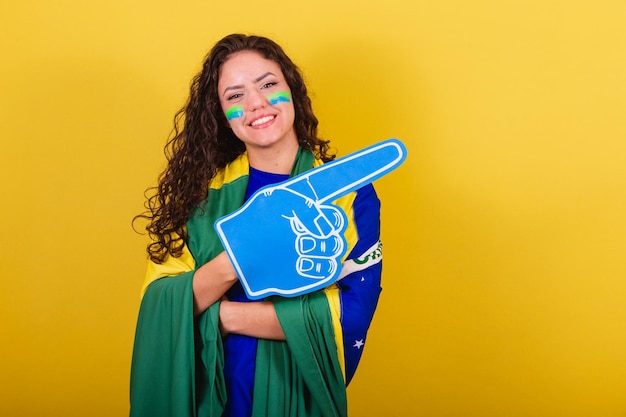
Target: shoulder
231,173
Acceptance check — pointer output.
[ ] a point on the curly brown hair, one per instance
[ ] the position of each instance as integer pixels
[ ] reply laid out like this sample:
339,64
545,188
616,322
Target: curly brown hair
201,143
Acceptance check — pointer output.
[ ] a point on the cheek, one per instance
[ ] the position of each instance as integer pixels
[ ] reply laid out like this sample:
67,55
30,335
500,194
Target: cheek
235,112
279,97
292,110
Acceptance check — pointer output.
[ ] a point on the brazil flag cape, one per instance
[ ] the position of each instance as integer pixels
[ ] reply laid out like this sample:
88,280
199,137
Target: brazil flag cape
178,361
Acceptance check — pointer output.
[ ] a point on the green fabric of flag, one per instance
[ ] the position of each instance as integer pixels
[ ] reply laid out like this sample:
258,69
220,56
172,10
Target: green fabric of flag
300,377
177,366
165,375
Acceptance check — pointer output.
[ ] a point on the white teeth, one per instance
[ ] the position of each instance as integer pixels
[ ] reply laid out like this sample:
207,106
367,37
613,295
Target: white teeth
262,120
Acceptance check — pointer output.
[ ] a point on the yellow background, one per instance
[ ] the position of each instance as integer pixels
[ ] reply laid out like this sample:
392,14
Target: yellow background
504,231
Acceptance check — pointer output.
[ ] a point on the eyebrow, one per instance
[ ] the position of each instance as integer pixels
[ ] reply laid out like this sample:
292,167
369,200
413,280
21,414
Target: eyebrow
236,87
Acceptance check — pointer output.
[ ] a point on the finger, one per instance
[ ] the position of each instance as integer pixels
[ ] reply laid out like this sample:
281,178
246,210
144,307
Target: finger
317,268
337,178
319,221
310,221
334,215
330,246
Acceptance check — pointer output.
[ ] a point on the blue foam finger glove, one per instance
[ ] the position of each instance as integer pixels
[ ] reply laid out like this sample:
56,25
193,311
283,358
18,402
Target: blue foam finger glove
288,238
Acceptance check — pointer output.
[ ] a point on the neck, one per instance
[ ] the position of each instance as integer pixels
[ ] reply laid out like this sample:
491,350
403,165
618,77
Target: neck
273,160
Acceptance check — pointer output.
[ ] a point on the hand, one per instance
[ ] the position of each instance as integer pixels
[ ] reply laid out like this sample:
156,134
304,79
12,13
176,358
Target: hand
288,239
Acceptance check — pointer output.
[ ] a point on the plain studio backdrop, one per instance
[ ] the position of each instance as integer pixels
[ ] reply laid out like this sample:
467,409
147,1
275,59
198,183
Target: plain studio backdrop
504,232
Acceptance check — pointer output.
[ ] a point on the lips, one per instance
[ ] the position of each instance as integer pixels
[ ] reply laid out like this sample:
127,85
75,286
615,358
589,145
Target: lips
262,120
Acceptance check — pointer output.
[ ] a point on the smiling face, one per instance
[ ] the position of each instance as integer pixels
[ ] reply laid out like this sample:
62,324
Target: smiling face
256,101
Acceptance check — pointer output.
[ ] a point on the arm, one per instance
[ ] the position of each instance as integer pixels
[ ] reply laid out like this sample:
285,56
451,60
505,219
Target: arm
255,319
211,281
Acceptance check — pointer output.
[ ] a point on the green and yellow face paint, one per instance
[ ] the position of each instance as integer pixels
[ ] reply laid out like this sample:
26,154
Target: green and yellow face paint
279,97
234,112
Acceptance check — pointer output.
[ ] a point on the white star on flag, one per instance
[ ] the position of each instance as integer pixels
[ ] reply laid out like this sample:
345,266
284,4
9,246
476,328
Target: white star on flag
358,344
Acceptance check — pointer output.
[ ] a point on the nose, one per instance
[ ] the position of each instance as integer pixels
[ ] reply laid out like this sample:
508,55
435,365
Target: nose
256,100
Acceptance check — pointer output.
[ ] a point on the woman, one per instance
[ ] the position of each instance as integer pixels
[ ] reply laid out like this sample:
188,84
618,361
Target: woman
201,346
